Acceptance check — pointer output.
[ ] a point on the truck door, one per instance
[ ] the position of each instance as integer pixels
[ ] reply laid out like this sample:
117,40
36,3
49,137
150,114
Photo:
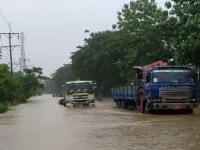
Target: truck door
147,84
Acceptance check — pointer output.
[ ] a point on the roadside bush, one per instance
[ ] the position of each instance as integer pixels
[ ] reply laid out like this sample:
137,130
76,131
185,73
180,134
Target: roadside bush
18,88
3,108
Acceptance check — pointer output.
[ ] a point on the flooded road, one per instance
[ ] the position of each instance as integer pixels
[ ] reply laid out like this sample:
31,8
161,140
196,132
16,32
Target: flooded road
42,124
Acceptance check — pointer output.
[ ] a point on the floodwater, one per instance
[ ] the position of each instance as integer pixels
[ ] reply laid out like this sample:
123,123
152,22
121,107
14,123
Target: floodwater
42,124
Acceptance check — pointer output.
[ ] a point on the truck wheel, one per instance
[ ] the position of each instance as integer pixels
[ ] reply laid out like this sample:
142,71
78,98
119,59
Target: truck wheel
60,102
64,104
147,109
190,111
118,104
124,105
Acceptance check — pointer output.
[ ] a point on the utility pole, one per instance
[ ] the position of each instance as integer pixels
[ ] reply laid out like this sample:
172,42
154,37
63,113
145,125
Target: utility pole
11,47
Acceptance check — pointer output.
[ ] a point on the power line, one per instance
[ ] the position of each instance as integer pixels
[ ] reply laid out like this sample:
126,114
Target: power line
2,57
7,51
4,18
11,47
8,24
17,65
22,60
5,59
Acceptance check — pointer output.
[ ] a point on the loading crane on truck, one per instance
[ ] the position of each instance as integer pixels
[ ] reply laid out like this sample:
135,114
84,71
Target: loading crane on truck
157,86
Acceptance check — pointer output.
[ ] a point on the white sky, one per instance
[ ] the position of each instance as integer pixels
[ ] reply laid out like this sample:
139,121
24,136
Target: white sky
53,28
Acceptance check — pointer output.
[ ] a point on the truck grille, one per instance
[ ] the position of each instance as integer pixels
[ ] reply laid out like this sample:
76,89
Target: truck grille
176,93
80,101
80,97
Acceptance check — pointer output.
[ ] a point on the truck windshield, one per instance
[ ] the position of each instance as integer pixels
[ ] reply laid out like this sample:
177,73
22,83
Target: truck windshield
178,75
85,87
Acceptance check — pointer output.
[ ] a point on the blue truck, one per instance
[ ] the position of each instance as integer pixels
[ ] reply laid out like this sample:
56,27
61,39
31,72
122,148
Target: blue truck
156,86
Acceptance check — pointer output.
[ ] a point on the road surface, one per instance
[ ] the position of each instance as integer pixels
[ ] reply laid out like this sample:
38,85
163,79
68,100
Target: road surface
42,124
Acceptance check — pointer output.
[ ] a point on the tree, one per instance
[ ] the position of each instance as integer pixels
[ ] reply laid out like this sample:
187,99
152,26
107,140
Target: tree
138,38
184,16
98,60
49,86
141,22
62,75
143,34
19,87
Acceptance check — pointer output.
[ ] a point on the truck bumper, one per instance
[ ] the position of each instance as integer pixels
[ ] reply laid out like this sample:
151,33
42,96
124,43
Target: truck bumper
175,105
81,102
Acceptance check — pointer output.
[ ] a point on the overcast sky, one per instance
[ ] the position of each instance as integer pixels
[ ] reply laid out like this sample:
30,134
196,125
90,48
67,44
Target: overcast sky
53,28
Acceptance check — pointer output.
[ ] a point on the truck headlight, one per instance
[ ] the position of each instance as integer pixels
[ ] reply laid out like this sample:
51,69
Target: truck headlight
193,100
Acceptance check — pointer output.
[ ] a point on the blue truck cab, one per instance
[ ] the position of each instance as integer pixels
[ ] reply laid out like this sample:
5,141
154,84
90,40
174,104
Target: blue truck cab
170,87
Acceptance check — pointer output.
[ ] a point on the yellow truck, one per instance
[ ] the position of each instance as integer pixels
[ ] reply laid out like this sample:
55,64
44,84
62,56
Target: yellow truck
79,93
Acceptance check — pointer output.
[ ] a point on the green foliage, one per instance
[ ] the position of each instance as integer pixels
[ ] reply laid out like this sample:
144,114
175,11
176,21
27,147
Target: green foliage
62,75
49,87
99,59
19,87
3,107
186,46
144,33
107,57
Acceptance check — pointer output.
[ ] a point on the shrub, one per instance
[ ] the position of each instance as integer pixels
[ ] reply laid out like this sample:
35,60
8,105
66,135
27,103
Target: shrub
3,108
18,88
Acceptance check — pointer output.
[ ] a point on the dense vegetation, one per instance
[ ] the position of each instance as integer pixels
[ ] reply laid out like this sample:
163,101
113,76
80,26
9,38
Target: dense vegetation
144,33
18,88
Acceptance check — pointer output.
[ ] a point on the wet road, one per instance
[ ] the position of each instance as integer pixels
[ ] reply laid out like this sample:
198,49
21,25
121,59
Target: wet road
43,124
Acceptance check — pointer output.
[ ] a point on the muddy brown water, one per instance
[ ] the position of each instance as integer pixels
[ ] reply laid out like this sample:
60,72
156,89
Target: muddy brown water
42,124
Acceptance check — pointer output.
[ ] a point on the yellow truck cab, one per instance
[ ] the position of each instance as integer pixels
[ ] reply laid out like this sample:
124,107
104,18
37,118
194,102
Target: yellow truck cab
79,93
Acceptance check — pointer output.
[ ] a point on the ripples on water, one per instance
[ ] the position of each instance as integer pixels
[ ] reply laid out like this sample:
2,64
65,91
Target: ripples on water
45,125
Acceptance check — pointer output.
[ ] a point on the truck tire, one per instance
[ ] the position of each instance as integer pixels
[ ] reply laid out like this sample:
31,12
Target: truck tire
124,105
118,104
190,111
64,104
59,102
